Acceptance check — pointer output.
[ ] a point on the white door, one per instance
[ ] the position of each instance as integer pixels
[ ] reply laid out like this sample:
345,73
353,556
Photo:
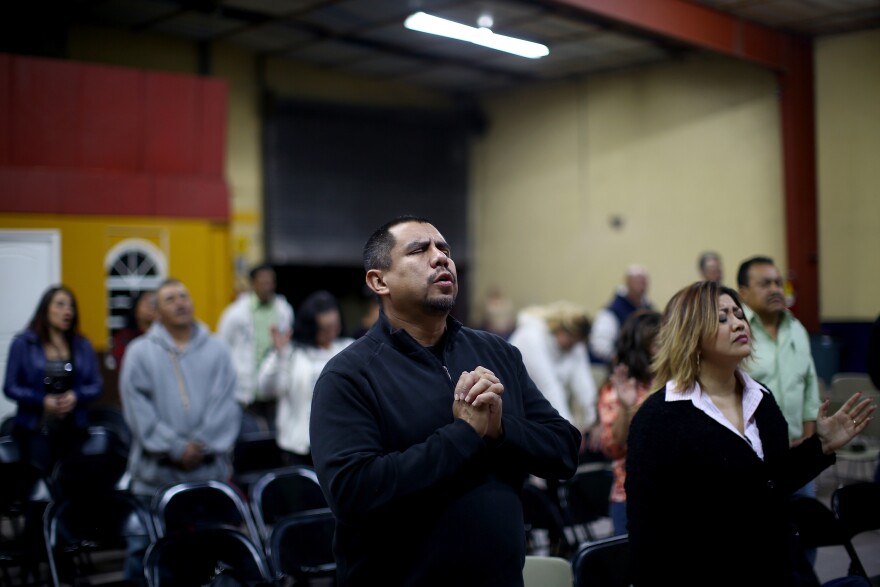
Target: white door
30,262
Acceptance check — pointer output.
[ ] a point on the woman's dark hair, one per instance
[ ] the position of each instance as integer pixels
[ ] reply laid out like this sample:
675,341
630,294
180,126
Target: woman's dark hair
131,317
305,325
39,323
634,343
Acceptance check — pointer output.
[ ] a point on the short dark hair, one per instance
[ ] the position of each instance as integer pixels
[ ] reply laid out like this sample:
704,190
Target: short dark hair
704,258
377,250
742,276
305,328
261,267
168,281
39,323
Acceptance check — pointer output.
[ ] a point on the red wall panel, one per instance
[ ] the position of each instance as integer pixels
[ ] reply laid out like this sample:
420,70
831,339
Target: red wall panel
5,109
191,197
46,107
211,154
92,139
29,190
171,120
103,192
111,100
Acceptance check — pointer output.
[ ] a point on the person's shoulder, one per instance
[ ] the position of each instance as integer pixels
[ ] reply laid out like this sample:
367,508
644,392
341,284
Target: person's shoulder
355,355
83,344
484,335
342,343
203,336
138,347
280,300
236,309
24,338
655,400
795,324
652,413
488,339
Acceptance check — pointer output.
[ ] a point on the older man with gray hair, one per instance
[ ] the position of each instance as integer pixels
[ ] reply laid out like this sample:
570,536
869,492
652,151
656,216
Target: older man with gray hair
630,296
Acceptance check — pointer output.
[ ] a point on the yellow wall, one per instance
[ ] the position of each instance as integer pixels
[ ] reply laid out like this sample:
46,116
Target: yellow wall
848,133
196,250
687,154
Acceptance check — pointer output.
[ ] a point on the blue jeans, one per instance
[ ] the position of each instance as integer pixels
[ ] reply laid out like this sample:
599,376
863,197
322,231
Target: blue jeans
135,550
617,511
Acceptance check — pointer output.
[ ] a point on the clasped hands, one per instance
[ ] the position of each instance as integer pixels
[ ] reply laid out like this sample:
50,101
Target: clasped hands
193,455
59,405
477,401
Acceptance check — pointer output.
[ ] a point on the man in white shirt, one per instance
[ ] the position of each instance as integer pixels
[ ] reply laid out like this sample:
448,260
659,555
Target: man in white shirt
246,327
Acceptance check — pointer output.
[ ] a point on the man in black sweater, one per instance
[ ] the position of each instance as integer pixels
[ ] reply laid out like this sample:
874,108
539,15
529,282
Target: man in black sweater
423,431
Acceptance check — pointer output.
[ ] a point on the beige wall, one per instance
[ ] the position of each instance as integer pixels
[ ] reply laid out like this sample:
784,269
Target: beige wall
848,138
686,154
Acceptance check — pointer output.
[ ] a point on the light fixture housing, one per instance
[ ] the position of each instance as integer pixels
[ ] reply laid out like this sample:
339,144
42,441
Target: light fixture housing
483,36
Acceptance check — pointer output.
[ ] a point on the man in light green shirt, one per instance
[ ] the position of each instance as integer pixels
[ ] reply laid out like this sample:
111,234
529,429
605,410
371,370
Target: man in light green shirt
782,359
246,327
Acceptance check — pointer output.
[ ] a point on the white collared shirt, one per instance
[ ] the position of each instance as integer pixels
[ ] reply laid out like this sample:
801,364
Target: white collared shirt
752,395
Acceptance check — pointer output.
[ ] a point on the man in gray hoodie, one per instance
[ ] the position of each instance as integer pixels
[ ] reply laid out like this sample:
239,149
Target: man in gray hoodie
178,394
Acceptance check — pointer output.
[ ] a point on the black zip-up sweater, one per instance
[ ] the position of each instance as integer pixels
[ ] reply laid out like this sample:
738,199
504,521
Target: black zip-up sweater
702,508
420,498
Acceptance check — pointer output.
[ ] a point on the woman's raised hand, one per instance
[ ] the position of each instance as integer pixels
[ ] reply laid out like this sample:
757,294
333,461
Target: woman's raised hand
839,428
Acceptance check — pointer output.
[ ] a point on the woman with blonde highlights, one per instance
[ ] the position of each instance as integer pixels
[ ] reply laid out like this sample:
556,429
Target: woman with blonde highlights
552,339
709,470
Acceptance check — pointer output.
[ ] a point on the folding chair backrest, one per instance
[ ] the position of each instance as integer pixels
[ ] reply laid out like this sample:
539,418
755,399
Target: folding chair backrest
98,465
816,524
585,497
104,523
189,506
301,545
283,492
844,385
857,506
204,557
605,562
546,571
253,455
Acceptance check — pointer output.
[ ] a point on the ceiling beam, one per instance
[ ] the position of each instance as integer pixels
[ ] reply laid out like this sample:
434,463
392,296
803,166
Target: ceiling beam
790,57
695,25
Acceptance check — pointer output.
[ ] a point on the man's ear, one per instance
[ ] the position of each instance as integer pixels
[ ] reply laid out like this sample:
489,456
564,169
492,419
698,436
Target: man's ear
376,282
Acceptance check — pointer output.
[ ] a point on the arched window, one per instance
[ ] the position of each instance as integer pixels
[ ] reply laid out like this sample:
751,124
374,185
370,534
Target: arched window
131,267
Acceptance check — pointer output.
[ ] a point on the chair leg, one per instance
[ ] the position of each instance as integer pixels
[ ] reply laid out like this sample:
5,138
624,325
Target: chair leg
856,567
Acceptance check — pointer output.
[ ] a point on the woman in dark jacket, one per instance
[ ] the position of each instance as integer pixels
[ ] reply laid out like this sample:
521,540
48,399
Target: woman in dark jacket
52,374
709,470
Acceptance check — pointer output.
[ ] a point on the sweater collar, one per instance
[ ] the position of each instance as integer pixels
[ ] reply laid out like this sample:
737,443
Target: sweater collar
401,339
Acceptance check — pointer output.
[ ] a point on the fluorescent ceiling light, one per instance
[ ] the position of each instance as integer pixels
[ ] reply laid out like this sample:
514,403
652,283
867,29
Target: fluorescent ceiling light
435,25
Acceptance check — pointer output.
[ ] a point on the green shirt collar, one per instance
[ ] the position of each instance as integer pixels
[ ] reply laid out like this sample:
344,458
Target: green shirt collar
755,320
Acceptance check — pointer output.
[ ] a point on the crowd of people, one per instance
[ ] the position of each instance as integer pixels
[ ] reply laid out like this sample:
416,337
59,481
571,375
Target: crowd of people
422,430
